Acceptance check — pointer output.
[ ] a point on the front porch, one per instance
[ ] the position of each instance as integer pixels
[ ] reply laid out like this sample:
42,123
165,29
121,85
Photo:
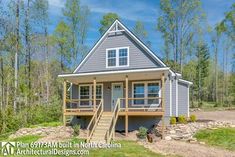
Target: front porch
117,94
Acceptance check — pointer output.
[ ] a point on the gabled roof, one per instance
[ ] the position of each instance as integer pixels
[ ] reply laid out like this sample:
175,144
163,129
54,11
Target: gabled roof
116,24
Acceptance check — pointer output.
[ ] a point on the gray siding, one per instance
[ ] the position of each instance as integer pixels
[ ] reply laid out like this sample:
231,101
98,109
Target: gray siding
167,97
138,58
135,122
75,91
174,97
182,99
107,96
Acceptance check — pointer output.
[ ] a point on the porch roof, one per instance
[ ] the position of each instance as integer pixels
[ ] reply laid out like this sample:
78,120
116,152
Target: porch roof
105,76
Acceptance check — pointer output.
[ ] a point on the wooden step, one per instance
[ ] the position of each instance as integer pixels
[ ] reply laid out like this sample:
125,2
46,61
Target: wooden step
103,124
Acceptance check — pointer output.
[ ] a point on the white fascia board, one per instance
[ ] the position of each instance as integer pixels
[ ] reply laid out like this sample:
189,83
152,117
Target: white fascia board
185,81
94,47
178,74
172,73
115,72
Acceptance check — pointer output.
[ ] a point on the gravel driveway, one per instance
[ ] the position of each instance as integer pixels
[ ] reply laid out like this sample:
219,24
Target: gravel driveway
215,115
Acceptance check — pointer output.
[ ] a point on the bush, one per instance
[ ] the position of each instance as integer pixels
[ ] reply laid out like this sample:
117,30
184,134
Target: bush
76,129
142,132
173,120
193,118
182,119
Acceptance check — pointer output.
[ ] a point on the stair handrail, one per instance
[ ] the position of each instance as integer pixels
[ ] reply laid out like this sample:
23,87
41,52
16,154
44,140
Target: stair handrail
94,120
111,131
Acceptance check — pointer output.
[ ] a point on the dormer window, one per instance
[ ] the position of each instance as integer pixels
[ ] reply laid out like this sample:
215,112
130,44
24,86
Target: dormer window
117,57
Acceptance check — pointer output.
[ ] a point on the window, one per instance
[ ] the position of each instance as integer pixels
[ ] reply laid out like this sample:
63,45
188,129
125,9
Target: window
123,57
146,90
117,57
153,91
139,93
111,58
86,93
98,92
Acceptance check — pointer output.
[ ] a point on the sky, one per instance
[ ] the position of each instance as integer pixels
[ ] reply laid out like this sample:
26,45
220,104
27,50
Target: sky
130,11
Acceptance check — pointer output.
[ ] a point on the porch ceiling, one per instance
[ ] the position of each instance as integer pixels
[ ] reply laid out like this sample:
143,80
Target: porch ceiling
143,74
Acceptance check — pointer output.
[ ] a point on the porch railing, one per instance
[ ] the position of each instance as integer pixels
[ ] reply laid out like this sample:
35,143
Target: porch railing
133,104
80,105
111,131
94,120
141,104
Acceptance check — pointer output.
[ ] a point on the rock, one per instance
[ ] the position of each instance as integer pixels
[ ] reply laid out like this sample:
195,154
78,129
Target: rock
172,132
167,138
202,143
177,137
192,139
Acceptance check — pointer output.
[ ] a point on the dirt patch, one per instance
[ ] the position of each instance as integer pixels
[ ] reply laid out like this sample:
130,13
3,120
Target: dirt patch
215,115
185,149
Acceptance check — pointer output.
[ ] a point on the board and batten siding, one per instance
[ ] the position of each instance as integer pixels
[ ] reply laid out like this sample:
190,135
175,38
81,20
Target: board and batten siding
138,58
183,97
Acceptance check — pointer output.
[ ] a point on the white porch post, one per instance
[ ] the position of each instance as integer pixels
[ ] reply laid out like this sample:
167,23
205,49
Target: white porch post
126,108
94,94
126,94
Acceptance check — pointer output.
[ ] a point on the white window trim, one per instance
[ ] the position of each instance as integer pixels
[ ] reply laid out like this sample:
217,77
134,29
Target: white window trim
90,93
117,57
145,92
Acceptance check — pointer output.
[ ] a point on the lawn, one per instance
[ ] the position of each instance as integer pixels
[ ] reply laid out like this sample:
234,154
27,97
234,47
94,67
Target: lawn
221,137
47,124
128,149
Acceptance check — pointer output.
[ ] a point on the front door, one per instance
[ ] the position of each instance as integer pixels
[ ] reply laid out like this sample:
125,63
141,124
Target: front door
117,92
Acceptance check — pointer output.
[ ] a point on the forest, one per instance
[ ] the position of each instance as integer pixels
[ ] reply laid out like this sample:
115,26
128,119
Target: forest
31,57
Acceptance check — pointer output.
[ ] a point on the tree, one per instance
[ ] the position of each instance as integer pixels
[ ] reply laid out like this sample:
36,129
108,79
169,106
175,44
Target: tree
201,69
179,24
40,8
77,19
83,27
17,32
62,35
140,32
107,20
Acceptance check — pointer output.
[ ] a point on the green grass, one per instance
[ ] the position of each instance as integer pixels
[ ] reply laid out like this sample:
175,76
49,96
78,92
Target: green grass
222,137
48,124
5,136
27,139
128,149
